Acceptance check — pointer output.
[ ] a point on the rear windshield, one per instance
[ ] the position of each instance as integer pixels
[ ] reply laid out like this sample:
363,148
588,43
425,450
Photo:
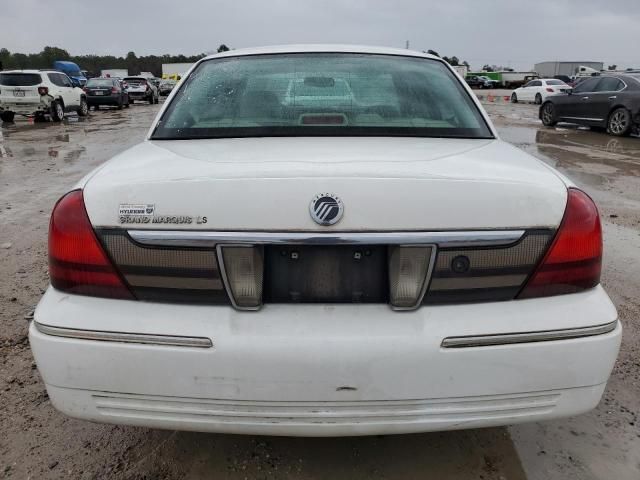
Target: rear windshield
135,81
20,79
555,82
100,82
321,94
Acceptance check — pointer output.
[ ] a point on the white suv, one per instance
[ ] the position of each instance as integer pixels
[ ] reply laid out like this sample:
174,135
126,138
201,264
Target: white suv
35,92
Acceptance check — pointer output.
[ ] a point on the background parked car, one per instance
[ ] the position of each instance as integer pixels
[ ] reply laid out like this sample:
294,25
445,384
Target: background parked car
106,91
475,81
489,82
608,101
538,90
166,86
141,88
36,92
481,81
156,82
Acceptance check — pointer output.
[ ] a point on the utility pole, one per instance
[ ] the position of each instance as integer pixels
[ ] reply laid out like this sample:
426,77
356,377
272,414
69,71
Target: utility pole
406,45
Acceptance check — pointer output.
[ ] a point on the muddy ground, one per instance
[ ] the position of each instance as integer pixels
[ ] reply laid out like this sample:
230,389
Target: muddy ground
40,162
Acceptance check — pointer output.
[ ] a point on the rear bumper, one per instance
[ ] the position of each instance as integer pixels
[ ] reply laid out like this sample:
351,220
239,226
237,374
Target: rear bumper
319,370
140,95
103,100
25,108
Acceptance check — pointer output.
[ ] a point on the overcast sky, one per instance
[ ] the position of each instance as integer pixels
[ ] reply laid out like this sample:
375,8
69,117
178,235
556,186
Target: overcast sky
504,32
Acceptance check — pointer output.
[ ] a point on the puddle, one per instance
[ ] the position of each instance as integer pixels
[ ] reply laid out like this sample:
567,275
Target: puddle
586,156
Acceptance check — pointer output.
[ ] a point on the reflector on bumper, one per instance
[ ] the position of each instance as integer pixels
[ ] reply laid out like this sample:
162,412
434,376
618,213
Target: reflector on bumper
409,270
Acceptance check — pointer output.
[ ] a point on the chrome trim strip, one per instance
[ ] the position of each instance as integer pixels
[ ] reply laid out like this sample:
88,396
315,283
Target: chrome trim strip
527,337
479,238
120,337
584,118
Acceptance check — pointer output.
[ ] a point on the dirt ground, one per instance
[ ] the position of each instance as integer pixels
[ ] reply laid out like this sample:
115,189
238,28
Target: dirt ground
40,162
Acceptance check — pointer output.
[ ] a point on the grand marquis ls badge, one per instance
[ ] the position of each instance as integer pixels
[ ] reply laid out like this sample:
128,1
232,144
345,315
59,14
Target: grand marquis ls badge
326,209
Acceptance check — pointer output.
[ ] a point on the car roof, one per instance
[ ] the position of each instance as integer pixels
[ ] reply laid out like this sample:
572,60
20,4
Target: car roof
24,71
321,48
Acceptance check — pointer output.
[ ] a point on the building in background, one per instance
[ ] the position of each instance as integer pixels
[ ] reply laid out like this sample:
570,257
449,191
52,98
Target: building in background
570,69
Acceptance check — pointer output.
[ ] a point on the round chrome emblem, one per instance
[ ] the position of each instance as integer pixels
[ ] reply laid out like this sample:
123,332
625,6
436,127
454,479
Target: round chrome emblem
326,209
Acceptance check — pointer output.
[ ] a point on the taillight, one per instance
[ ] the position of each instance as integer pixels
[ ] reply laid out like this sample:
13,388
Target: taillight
114,90
77,261
43,91
574,260
551,90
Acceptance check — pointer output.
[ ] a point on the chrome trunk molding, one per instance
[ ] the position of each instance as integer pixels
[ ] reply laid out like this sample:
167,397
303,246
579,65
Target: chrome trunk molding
453,239
527,337
141,338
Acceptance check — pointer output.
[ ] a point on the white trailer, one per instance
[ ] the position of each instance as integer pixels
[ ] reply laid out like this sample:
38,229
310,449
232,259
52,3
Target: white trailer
461,69
174,70
516,79
115,73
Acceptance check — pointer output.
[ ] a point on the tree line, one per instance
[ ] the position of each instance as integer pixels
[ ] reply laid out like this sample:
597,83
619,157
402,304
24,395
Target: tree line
94,64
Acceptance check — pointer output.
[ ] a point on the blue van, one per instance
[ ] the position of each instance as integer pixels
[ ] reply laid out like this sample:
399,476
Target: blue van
73,72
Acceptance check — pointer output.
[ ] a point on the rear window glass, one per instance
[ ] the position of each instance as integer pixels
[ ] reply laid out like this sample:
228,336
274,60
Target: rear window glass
100,82
20,79
609,84
321,94
135,81
555,82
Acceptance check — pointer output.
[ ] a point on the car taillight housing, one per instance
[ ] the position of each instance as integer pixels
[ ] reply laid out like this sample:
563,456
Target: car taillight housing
43,91
114,90
574,260
77,262
550,90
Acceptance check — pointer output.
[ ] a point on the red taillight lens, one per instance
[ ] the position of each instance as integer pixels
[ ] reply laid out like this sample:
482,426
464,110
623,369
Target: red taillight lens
574,260
114,90
43,91
551,90
77,261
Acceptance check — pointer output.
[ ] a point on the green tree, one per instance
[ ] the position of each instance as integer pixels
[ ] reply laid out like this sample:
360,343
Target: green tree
93,63
50,55
223,48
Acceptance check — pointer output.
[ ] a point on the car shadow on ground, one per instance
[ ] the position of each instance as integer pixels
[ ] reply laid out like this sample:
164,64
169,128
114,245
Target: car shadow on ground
467,454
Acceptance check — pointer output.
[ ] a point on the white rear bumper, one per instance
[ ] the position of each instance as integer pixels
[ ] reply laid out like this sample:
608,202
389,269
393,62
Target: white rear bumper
25,108
324,370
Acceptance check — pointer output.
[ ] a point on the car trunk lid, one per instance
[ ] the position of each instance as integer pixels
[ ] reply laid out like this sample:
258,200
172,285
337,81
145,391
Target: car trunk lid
268,184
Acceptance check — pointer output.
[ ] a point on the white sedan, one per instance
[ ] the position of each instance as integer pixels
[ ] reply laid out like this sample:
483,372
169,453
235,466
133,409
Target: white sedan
386,265
538,90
